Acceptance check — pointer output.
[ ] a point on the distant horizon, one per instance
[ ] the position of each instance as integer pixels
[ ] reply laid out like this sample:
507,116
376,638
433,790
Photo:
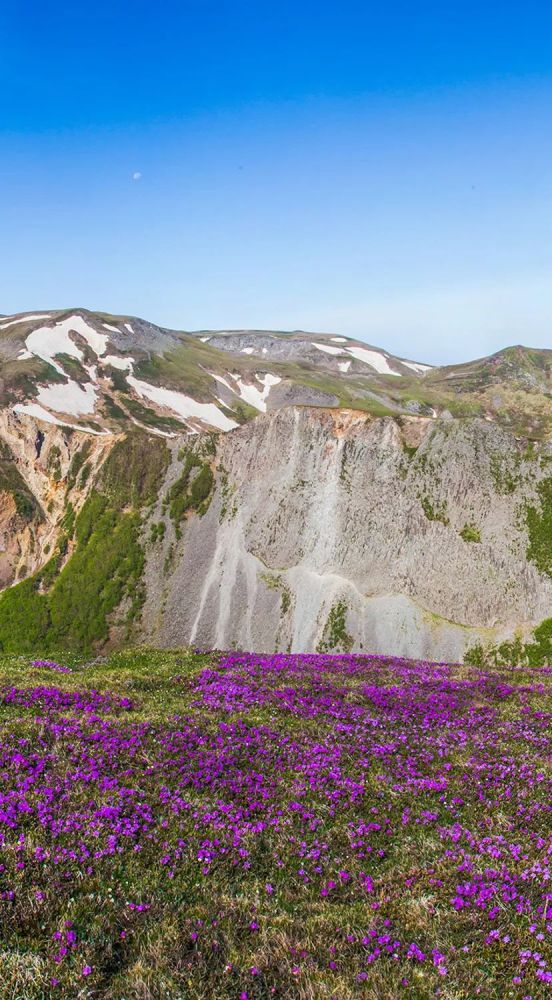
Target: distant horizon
414,356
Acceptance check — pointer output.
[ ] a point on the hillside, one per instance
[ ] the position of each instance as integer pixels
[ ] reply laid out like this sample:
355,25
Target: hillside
239,825
269,490
101,373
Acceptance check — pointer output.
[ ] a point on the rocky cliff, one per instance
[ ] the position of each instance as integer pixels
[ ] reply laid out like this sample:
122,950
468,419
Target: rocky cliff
306,528
329,529
166,487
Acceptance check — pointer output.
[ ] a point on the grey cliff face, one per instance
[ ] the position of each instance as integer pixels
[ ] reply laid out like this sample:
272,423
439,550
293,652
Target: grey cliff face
346,498
316,510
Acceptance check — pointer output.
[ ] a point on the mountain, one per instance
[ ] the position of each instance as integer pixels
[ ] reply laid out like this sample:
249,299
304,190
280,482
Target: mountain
269,490
100,373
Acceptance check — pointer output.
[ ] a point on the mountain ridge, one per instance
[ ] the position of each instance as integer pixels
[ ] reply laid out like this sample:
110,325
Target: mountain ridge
133,368
271,490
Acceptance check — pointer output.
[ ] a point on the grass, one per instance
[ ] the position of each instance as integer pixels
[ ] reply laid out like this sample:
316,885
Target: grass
73,609
20,379
133,470
77,462
150,418
195,826
535,653
434,511
183,368
470,533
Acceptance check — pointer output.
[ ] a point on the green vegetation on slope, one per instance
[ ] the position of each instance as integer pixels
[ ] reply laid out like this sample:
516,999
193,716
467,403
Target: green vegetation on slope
167,840
133,471
539,528
335,635
191,491
12,482
505,479
184,368
72,608
150,418
77,463
514,651
470,533
434,511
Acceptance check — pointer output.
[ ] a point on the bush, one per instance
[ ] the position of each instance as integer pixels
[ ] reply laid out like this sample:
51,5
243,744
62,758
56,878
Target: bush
470,533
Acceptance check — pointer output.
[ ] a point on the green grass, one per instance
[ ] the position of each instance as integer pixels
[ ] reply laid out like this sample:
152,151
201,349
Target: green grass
182,368
73,610
134,470
434,511
20,379
77,462
73,367
535,653
194,939
150,418
470,533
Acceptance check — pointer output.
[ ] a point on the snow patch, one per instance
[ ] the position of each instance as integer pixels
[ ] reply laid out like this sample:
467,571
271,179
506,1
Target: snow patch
24,355
184,405
24,319
222,380
47,341
268,379
328,349
339,340
204,339
254,396
129,328
123,364
70,398
344,365
247,350
115,329
39,413
419,369
373,358
153,430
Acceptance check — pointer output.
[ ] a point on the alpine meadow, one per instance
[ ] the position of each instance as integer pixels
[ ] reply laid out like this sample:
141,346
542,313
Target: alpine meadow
275,500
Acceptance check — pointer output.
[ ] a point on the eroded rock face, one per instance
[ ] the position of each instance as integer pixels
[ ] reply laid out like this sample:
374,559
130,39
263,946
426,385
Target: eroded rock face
325,529
42,455
316,510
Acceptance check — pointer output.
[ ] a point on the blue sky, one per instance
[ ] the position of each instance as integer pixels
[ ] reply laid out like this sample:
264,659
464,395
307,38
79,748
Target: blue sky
383,172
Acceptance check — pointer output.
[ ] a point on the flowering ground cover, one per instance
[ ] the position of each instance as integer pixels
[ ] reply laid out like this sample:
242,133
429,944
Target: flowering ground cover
242,827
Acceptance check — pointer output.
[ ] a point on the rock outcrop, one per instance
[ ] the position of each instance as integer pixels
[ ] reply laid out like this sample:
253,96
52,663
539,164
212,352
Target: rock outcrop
328,528
270,491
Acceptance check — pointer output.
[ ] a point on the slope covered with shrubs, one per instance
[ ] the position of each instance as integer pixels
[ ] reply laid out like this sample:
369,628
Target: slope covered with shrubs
70,602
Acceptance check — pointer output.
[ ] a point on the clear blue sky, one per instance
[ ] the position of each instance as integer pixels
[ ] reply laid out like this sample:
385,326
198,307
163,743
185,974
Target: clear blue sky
379,170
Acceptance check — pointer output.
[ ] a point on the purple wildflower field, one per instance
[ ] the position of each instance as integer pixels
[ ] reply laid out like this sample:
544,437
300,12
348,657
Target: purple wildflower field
241,826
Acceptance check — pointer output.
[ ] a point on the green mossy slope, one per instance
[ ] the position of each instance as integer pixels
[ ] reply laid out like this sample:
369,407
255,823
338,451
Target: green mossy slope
72,608
12,482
